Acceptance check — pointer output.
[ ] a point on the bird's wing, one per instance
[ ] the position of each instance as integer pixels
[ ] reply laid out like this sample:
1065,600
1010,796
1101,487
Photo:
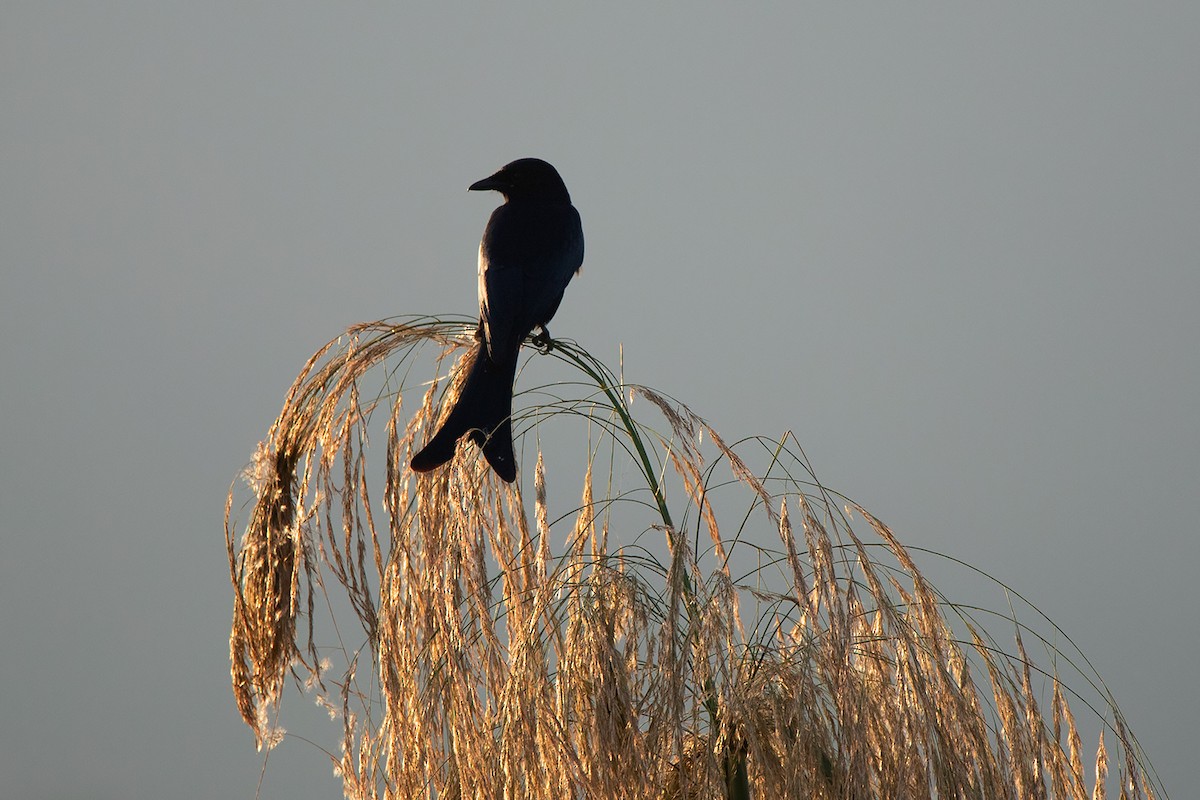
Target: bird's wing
500,293
548,277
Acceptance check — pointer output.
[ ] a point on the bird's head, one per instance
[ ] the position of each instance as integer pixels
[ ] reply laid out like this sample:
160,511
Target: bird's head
525,179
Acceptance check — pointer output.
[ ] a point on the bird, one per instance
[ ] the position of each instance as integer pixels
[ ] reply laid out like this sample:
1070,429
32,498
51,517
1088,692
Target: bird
531,248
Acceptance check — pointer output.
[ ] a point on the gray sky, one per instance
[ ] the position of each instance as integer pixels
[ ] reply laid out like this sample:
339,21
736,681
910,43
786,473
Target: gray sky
953,248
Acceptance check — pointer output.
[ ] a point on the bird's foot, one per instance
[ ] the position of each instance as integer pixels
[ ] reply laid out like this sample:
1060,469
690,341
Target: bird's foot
542,340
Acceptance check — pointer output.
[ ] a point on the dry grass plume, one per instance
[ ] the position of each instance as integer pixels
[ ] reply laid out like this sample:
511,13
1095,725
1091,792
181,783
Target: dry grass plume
705,621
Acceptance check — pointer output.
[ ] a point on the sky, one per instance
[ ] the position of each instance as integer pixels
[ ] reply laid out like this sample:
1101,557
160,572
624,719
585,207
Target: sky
953,248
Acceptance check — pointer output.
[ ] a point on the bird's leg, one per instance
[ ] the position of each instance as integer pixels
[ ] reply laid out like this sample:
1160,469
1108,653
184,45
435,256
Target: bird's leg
479,332
542,340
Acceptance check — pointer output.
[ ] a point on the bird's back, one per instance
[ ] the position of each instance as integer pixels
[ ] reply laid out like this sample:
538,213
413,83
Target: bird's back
529,252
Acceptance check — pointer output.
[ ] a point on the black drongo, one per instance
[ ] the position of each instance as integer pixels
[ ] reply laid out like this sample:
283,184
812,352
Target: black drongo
531,247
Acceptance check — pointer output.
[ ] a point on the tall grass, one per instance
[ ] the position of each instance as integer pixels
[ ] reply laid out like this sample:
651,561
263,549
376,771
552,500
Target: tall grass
706,621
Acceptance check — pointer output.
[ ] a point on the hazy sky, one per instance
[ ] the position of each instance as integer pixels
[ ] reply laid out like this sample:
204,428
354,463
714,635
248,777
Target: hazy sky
954,248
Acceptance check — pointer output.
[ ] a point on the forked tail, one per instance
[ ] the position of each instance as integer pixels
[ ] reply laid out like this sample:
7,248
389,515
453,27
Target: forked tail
484,412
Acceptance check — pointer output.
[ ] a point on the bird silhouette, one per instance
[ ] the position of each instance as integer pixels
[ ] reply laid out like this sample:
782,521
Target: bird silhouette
531,247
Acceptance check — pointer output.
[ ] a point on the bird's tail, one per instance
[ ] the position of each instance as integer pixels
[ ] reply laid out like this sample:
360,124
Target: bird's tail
483,410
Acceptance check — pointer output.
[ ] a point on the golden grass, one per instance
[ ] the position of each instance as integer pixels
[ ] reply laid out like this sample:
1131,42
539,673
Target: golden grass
617,651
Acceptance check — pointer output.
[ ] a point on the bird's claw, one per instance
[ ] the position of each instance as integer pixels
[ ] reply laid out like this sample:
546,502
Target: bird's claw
542,341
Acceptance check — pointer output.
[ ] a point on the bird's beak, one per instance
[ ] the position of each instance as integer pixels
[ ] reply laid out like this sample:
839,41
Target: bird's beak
487,184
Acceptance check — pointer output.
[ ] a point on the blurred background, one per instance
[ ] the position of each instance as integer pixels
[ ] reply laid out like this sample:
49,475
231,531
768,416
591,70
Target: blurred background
954,249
